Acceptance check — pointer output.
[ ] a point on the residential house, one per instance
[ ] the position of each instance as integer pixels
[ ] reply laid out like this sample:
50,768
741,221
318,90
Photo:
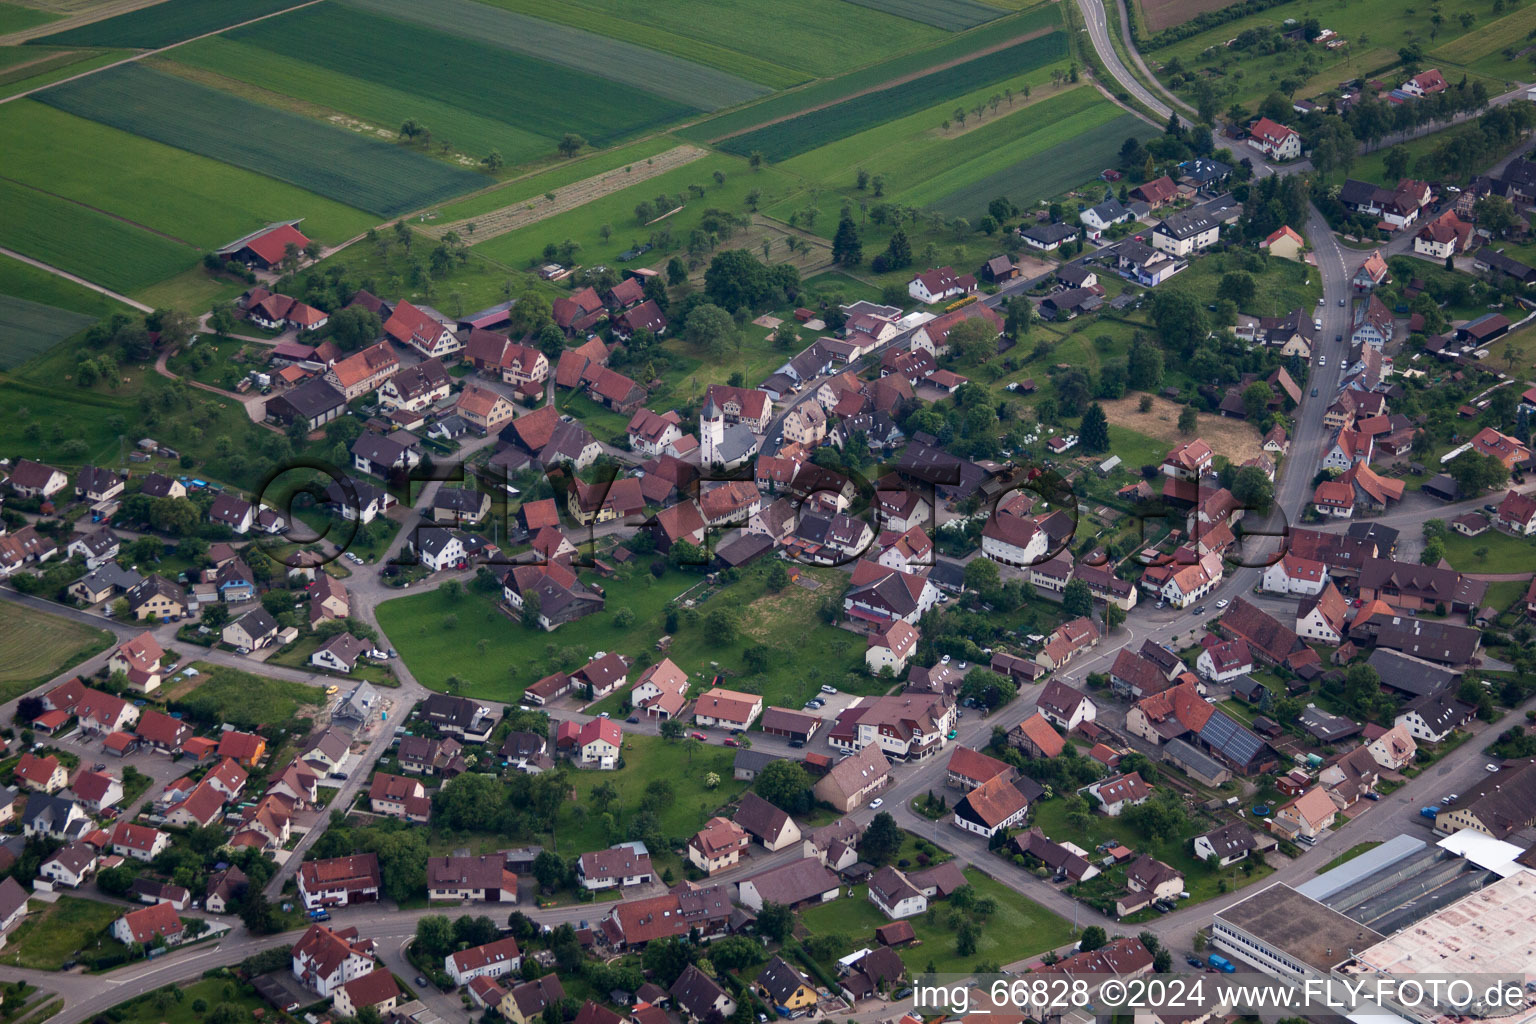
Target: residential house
1118,792
40,774
377,991
1066,642
1186,232
1035,737
339,881
71,865
1443,237
895,895
139,660
416,388
727,709
1065,707
993,806
138,842
769,825
622,865
699,997
853,781
492,960
718,845
1434,716
396,796
784,987
801,881
423,330
939,285
1228,844
30,479
1275,141
1225,661
1307,815
147,925
252,631
325,959
1324,617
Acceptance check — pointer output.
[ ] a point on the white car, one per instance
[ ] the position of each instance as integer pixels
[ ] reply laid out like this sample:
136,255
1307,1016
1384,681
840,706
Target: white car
1490,768
876,803
1222,603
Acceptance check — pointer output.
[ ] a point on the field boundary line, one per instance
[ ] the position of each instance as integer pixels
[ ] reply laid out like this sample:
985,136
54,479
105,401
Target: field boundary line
72,21
104,213
132,58
77,279
898,80
518,215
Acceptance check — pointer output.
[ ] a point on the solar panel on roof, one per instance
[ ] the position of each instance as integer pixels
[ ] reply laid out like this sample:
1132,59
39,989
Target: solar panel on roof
1230,739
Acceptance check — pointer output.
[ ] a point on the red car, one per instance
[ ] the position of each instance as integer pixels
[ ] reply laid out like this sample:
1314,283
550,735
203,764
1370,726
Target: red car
698,736
730,743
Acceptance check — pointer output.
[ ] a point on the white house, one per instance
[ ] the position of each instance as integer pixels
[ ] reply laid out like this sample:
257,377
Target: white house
1013,540
324,960
1225,661
1275,141
939,284
1186,232
1293,574
1108,213
895,895
437,548
492,960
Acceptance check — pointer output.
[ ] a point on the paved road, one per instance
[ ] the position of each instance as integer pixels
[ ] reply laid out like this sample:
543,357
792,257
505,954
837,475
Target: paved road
1098,30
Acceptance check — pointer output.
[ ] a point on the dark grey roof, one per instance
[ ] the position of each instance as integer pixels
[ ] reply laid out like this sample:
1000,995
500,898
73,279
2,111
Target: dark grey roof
1326,726
257,623
112,575
1408,675
1187,224
1047,234
312,399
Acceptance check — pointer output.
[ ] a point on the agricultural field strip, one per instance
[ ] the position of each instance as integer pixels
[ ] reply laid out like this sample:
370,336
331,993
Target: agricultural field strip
487,80
162,24
910,151
364,173
275,79
808,131
813,37
212,203
553,176
1049,128
1048,173
954,50
1512,30
750,66
681,81
524,212
81,241
950,15
27,328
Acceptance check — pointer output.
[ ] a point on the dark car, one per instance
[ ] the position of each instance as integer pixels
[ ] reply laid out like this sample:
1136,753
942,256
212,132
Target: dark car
797,744
632,720
1194,961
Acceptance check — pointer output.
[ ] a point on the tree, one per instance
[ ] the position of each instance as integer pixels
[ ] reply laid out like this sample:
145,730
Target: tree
1475,473
784,784
1253,489
982,575
846,248
1114,617
1396,163
1093,434
549,871
468,800
898,251
881,840
570,144
1256,399
1144,369
677,272
1093,938
1496,214
1433,552
973,339
434,936
1237,286
1077,599
775,921
711,329
1189,420
722,626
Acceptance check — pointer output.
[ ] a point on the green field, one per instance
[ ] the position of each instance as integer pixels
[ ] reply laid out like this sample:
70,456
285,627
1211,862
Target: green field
646,759
55,932
489,81
31,67
1049,172
36,646
361,172
210,204
1018,929
566,172
245,700
521,247
818,127
27,328
18,278
496,657
93,245
950,15
211,992
1373,31
165,23
14,18
682,81
1502,552
832,90
811,37
1282,285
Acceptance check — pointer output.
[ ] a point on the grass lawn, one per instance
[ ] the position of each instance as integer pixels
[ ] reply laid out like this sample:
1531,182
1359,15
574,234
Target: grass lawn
1348,855
194,290
246,700
176,1007
26,281
566,172
1018,929
36,646
471,638
1502,552
298,657
1200,881
54,933
1281,286
647,759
